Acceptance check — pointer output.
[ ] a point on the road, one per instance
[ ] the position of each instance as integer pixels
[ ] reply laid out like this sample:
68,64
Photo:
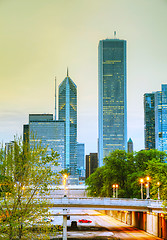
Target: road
102,226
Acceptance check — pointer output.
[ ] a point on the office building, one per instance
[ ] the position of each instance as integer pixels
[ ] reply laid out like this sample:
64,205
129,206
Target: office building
112,99
91,163
81,159
49,133
161,119
68,113
130,145
149,120
156,135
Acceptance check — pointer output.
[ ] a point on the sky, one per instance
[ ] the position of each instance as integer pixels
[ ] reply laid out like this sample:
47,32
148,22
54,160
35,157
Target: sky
39,39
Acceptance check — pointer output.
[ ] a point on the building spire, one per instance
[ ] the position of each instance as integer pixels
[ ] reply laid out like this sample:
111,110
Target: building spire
67,71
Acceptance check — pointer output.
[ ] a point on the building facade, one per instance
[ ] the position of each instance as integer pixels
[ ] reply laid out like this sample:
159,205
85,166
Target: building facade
156,133
149,120
161,119
68,113
81,159
42,129
112,97
91,163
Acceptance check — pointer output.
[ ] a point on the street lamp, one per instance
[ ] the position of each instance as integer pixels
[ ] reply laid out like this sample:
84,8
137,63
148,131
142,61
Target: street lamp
158,184
147,187
116,190
113,190
65,176
141,182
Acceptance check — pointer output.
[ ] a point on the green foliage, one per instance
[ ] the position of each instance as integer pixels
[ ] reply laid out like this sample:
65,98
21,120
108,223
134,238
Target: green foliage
25,176
95,182
126,169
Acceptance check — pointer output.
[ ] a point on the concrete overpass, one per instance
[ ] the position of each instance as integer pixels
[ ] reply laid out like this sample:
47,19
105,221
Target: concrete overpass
144,214
118,204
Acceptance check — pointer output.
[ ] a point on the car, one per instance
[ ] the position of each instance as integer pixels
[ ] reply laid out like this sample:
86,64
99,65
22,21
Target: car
84,221
74,224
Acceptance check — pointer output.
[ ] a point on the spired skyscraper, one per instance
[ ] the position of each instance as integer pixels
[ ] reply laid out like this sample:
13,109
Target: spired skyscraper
68,113
112,97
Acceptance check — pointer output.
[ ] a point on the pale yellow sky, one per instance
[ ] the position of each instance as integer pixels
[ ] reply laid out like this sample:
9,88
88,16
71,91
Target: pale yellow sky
40,38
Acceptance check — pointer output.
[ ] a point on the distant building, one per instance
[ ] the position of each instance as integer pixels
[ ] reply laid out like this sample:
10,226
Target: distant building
91,163
130,145
112,99
155,120
68,114
9,146
149,120
49,133
81,159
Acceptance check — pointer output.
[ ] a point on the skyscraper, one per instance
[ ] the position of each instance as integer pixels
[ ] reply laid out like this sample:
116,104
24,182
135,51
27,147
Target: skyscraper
49,133
68,113
149,120
161,119
155,113
112,102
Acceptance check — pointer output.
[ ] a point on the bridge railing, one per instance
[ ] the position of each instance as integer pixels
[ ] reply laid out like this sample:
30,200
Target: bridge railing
108,201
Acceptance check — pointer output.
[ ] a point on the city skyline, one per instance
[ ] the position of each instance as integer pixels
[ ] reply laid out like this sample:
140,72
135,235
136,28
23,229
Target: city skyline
39,40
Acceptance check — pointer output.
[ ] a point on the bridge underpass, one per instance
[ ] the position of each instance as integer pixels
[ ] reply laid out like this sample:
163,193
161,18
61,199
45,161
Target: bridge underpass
144,214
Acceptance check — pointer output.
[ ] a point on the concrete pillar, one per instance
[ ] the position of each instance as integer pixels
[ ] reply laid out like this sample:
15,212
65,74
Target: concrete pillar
64,224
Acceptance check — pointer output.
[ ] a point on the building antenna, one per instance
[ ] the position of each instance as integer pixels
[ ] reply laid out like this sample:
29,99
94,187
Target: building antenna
115,33
67,71
55,99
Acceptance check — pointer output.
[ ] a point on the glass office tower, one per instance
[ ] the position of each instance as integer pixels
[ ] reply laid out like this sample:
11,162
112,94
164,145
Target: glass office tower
49,133
149,120
68,113
155,113
112,100
161,119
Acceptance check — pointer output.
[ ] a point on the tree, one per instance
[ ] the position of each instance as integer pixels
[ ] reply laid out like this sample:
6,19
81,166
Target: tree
125,169
26,174
157,170
95,183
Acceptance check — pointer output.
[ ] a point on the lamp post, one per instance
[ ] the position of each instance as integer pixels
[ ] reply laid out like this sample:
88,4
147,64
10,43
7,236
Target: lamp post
113,186
147,187
65,176
158,184
116,190
141,182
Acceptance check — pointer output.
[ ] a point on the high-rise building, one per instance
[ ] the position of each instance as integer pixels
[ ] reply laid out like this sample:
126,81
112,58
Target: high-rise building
112,99
161,119
91,163
68,113
130,145
149,120
155,113
81,159
49,133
